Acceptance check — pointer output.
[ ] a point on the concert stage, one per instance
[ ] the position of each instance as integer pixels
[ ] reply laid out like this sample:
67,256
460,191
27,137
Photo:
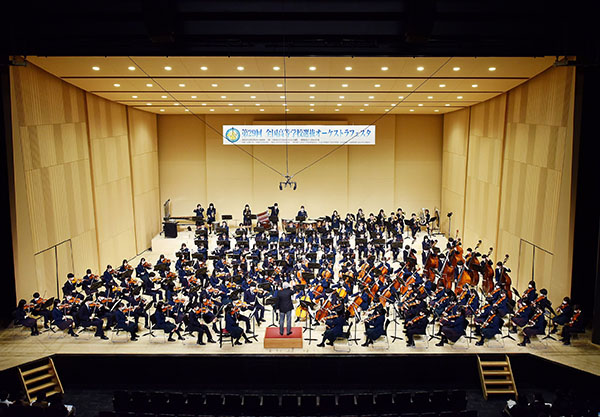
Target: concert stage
17,347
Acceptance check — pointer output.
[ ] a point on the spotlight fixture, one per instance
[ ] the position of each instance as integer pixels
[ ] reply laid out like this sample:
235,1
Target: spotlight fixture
288,183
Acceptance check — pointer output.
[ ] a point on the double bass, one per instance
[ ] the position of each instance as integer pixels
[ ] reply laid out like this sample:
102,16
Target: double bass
487,271
469,274
505,281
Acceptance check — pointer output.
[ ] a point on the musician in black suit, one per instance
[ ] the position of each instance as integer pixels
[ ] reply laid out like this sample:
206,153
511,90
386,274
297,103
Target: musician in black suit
84,316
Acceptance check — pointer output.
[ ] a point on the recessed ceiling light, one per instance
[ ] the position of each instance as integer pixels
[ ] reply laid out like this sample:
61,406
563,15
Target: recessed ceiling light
167,68
117,85
204,104
430,97
176,104
377,85
447,105
348,68
474,86
194,96
212,109
366,104
392,104
492,69
281,96
237,109
339,104
420,68
148,104
312,85
279,85
284,104
276,68
287,109
214,85
436,110
341,97
262,110
252,96
246,85
362,109
187,110
409,85
459,97
420,104
344,85
240,68
401,97
337,109
162,109
442,85
96,68
257,104
181,85
456,69
412,110
312,110
311,97
384,68
312,68
163,96
223,96
148,85
371,97
230,104
386,110
312,104
204,68
134,96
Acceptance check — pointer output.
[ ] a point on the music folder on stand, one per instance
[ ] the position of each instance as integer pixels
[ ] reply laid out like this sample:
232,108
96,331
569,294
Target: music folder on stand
271,302
307,305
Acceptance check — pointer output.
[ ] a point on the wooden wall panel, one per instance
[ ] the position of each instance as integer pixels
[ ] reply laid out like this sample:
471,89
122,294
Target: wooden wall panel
45,279
143,145
454,169
52,178
111,171
486,136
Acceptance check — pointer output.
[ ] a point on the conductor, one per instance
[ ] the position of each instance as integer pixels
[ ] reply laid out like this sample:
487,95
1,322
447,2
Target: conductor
285,306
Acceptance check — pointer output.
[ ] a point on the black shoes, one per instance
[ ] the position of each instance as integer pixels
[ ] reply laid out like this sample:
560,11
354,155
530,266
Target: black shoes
200,342
289,333
321,344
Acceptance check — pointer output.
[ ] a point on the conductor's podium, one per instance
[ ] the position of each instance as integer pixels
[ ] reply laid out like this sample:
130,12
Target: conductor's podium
273,340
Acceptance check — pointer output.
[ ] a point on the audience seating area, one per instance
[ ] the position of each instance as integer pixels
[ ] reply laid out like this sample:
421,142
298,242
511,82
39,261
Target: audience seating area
449,403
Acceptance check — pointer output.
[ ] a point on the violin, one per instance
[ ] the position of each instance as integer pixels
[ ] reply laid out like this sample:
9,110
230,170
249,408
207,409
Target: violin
147,265
372,317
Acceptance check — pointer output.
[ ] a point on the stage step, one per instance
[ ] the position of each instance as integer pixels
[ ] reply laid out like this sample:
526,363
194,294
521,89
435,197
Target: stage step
32,380
496,374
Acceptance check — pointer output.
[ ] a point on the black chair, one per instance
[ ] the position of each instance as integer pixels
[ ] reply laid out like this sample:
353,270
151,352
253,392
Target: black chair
308,404
159,402
177,402
420,402
289,404
195,404
232,404
251,405
439,400
270,405
402,402
384,403
346,403
327,404
457,400
122,401
364,403
213,403
140,401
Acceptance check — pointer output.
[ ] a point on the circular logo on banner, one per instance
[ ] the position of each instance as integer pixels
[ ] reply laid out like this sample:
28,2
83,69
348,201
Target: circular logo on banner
232,135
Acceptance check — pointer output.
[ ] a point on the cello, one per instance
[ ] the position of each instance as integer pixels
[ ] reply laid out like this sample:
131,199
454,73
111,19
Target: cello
469,275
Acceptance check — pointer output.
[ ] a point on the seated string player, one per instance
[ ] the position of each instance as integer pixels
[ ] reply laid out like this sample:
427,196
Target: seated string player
490,327
232,326
417,325
563,314
23,318
334,324
61,320
39,308
536,325
575,325
85,319
375,325
123,323
454,327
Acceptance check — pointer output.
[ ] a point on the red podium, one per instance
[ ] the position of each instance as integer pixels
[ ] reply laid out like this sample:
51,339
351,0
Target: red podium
273,340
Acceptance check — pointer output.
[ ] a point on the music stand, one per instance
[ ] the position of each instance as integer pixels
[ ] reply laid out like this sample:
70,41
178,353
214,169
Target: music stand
226,217
313,265
549,325
395,320
290,229
284,244
271,302
355,339
361,241
307,305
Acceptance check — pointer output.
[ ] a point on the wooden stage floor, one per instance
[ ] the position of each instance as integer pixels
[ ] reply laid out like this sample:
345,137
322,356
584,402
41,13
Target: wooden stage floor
17,347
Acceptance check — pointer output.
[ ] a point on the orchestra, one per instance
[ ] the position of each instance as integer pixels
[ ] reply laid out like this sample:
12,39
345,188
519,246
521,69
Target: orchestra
343,271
